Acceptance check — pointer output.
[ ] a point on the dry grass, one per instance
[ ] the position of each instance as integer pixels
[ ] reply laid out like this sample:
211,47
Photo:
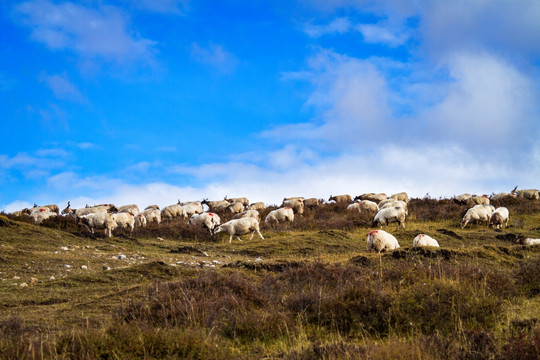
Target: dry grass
308,291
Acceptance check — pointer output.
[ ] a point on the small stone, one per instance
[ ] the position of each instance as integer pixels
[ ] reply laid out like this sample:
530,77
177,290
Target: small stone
52,278
23,285
258,259
34,280
121,257
67,266
159,239
84,267
105,267
16,278
65,248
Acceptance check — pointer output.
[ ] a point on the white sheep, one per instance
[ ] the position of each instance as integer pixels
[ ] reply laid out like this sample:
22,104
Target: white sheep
192,207
248,213
98,221
424,240
376,198
149,207
235,208
240,227
363,206
341,198
140,220
51,207
478,200
395,203
280,215
389,215
242,200
296,204
477,213
152,215
402,196
207,219
462,199
528,241
380,240
311,203
41,215
132,209
173,211
259,206
531,194
499,217
124,220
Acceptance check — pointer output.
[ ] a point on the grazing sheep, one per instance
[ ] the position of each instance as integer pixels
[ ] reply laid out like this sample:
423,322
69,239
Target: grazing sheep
364,206
173,211
528,241
294,198
296,204
124,220
41,215
341,198
380,240
207,219
155,207
395,203
132,209
192,207
501,196
499,217
98,221
478,200
280,215
51,207
140,220
477,213
77,213
402,196
376,198
462,199
221,207
424,240
213,204
240,227
248,213
243,200
531,194
235,208
311,203
152,215
259,206
389,215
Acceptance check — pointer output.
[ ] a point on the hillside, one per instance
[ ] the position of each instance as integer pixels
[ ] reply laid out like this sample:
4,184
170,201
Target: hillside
308,290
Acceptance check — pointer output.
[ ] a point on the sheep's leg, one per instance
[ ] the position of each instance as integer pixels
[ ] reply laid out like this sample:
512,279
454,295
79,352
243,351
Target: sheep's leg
230,239
238,237
251,237
258,232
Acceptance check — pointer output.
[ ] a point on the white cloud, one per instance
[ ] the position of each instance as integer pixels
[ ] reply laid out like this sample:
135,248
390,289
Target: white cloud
163,6
62,87
373,33
215,56
101,33
337,26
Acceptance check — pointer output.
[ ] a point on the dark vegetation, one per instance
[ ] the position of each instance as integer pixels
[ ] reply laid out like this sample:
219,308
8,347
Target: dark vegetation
308,291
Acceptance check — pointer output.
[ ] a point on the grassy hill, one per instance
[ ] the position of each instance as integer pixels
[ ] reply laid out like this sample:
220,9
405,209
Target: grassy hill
308,290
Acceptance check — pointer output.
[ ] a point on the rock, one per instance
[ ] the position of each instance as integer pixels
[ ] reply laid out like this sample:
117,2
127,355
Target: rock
84,267
159,239
52,278
34,280
67,266
16,278
23,285
65,248
121,257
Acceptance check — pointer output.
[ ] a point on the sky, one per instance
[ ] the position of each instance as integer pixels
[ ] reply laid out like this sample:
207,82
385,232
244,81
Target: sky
155,101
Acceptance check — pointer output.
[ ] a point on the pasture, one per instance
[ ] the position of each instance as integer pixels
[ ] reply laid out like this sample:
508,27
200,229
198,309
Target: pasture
309,290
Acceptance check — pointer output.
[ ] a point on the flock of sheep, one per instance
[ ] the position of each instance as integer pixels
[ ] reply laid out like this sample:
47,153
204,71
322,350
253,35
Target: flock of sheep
246,216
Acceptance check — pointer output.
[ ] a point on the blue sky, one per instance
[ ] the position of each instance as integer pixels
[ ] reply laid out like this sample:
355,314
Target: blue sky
153,101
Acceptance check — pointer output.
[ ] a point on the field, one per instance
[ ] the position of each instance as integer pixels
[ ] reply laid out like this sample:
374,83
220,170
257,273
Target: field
309,290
